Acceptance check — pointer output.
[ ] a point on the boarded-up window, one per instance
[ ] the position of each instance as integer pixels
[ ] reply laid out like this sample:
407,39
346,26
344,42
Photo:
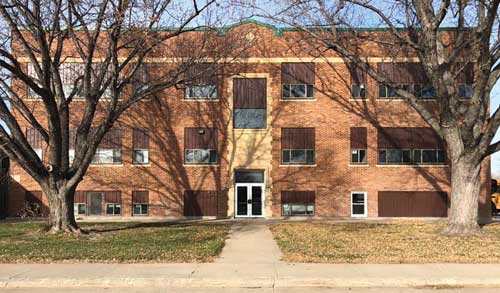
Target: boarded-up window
200,203
140,139
200,138
297,203
412,204
112,139
294,196
112,196
35,140
80,197
297,138
140,196
297,73
202,74
358,76
403,72
249,93
408,138
465,73
358,138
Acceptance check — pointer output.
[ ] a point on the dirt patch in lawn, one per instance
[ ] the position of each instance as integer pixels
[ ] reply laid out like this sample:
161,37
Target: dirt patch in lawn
390,242
114,243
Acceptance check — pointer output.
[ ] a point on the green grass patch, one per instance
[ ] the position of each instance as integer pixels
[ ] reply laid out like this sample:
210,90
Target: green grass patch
113,242
390,242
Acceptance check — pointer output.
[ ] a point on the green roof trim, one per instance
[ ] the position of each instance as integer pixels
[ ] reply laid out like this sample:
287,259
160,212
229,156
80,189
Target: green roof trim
278,31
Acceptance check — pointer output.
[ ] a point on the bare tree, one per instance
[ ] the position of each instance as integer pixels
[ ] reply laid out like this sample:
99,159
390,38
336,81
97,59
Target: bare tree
86,62
415,29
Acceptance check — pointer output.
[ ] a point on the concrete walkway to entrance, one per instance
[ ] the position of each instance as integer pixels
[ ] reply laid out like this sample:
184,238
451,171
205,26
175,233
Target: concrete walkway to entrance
250,243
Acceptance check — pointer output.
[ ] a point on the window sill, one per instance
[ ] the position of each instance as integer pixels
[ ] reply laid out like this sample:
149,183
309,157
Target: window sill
200,100
298,165
106,165
359,99
200,165
359,216
358,165
141,165
146,215
298,100
414,166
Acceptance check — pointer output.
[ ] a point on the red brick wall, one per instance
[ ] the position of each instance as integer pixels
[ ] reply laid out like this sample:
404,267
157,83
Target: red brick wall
331,113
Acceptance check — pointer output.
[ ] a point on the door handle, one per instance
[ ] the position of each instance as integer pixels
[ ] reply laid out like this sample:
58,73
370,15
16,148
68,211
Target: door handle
249,201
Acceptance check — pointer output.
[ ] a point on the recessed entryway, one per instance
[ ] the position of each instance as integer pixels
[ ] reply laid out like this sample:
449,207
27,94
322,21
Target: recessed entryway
249,193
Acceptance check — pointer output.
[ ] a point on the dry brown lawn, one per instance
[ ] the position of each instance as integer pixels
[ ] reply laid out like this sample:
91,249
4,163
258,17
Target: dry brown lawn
388,242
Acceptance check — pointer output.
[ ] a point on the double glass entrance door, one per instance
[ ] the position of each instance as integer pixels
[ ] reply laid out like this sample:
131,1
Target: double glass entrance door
249,199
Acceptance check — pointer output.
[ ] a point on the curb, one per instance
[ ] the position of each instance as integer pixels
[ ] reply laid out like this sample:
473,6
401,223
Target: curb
244,283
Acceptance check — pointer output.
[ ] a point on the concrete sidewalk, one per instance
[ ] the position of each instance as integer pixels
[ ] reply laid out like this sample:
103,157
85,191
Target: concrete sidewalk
218,275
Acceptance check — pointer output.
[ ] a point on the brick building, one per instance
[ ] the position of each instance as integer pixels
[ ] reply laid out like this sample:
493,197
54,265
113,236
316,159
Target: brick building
284,134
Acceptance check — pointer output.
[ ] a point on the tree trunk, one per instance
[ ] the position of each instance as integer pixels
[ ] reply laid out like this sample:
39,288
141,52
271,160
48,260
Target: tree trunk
465,189
62,218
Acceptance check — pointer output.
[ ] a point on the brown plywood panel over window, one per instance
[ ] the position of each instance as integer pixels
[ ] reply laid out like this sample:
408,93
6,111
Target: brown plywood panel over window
297,73
297,138
140,138
112,139
465,73
403,72
112,196
408,138
34,138
202,74
359,138
200,138
358,76
412,204
294,196
249,93
200,203
80,197
140,196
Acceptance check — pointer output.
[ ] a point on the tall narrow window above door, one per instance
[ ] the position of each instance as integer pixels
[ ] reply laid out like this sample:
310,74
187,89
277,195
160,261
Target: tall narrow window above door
250,103
297,80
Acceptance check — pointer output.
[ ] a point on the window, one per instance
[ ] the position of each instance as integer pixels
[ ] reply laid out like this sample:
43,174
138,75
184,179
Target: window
297,209
358,82
206,91
298,91
390,93
394,156
298,146
250,118
80,209
249,103
113,209
140,203
196,156
140,142
424,91
359,144
35,140
358,156
107,156
202,82
465,90
296,203
200,146
297,80
428,156
110,148
298,156
409,146
358,204
358,91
